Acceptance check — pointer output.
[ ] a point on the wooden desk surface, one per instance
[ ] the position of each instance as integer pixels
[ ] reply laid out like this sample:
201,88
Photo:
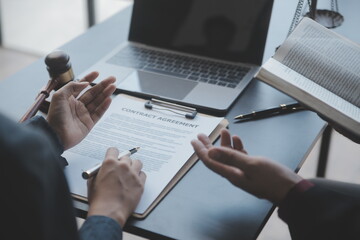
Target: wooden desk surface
202,205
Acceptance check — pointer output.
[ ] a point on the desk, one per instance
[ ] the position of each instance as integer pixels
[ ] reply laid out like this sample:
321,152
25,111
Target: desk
202,205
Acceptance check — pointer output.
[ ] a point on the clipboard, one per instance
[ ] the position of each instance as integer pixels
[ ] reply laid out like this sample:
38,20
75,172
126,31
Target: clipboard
159,106
187,112
181,173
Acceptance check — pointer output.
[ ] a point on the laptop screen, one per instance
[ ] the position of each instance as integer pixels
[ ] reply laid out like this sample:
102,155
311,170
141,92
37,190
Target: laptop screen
232,30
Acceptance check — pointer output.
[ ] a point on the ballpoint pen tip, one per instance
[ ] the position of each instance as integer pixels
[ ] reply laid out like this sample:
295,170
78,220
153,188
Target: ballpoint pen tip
239,117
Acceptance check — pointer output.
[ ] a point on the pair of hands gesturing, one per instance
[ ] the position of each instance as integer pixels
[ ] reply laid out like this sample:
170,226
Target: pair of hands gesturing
117,188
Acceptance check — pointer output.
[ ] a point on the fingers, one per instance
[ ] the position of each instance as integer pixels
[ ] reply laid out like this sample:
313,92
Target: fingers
90,77
98,112
100,91
225,138
200,149
202,152
71,89
112,154
126,160
216,158
234,175
231,142
137,165
75,88
238,145
230,157
218,167
231,164
203,148
205,140
97,99
142,177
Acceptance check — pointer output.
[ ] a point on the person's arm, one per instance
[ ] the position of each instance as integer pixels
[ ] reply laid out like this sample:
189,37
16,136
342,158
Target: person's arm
316,212
39,123
311,212
256,175
296,192
100,227
113,195
115,191
36,194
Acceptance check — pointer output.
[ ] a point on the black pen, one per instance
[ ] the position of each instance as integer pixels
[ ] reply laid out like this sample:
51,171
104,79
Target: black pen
93,171
282,108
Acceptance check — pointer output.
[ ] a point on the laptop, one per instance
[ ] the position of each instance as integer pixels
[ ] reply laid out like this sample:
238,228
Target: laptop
198,53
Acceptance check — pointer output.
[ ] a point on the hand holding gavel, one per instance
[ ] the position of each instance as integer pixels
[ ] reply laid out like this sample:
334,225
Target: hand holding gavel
72,112
60,72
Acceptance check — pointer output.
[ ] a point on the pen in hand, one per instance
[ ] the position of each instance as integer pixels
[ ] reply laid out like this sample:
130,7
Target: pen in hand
282,108
94,170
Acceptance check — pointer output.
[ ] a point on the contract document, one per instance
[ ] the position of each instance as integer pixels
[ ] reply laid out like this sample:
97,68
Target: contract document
163,137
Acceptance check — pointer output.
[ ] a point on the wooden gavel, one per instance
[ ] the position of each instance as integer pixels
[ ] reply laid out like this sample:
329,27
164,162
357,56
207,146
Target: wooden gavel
60,72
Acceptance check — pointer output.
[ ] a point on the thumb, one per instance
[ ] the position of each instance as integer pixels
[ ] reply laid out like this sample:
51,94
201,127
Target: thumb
229,157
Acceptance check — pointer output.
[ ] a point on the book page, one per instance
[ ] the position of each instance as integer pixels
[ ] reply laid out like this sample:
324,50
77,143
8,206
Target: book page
310,93
163,137
325,57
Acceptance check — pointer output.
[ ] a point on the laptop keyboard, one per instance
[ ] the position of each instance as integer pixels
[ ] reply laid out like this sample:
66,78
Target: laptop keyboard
190,68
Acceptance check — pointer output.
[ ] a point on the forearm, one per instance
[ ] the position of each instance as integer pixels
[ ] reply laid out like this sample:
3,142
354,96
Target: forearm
99,228
39,123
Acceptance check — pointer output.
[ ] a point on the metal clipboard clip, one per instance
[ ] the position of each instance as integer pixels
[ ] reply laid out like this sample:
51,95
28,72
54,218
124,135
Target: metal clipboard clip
157,104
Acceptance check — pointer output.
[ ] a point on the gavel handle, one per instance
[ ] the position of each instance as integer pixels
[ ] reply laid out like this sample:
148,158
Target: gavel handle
34,108
52,84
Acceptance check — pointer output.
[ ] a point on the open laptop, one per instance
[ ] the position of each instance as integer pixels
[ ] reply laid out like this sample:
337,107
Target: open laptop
199,53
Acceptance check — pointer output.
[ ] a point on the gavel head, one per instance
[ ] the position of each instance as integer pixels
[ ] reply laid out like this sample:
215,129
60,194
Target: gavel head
59,67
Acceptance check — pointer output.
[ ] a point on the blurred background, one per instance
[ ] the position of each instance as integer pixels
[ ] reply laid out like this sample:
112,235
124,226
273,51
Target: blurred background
30,29
39,26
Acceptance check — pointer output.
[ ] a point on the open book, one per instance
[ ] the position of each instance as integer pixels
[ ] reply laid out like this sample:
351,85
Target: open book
320,69
164,141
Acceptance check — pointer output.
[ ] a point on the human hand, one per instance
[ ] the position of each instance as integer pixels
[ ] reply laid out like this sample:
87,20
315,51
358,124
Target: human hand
256,175
116,190
72,118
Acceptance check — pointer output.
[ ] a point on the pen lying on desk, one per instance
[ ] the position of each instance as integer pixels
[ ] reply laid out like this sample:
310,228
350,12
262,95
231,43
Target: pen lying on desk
94,170
282,108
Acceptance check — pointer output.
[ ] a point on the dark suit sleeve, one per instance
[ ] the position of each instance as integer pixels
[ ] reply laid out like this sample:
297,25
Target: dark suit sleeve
321,213
100,227
35,196
40,124
96,227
